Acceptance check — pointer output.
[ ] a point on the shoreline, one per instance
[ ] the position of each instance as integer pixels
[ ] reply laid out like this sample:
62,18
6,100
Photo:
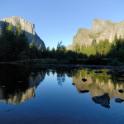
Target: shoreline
65,65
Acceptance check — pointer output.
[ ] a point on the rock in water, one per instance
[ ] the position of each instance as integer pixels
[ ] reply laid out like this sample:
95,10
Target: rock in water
28,28
100,31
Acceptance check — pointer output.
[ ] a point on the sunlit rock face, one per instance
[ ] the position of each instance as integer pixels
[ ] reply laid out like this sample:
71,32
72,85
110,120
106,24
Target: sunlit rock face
27,27
100,86
101,30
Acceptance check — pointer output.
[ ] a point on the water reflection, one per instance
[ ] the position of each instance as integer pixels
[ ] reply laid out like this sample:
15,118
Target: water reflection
60,79
83,93
18,83
101,85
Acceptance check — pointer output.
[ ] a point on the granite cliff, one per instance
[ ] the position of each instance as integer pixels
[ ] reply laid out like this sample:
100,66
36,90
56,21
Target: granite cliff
26,27
100,30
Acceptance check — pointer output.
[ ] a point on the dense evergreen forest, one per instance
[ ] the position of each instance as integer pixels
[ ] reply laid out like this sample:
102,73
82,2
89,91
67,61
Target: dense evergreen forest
15,46
104,51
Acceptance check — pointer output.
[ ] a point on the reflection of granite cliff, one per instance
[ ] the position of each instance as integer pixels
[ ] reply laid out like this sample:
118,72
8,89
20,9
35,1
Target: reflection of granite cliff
27,27
18,97
103,100
20,84
98,86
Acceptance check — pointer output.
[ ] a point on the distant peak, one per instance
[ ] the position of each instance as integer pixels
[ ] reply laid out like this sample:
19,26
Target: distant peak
101,30
16,19
102,20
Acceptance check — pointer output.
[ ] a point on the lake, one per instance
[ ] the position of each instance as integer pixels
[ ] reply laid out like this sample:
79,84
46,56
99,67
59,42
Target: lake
60,96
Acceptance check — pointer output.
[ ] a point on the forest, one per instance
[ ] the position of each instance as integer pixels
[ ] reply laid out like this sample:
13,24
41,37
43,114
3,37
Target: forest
14,46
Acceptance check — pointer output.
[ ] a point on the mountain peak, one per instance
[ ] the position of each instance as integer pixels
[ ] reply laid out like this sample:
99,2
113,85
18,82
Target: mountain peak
100,31
26,27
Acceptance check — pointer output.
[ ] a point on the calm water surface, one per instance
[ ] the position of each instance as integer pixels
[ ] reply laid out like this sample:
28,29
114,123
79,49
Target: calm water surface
60,96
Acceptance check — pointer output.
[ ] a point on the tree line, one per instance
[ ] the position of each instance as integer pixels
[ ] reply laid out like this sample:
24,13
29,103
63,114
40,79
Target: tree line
14,46
103,52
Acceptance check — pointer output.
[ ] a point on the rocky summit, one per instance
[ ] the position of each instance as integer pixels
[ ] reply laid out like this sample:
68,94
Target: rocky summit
101,30
27,27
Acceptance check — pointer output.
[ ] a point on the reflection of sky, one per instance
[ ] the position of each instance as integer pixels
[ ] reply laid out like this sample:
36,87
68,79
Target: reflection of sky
64,103
58,20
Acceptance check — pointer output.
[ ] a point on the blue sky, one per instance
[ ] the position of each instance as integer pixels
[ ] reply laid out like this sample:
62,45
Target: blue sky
59,20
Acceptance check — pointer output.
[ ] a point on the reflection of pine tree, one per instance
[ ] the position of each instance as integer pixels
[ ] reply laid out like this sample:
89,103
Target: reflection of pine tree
60,79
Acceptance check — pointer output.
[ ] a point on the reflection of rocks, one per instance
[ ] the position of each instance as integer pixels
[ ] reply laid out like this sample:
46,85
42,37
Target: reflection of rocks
21,96
118,100
99,84
36,80
84,91
121,91
19,85
84,79
104,100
